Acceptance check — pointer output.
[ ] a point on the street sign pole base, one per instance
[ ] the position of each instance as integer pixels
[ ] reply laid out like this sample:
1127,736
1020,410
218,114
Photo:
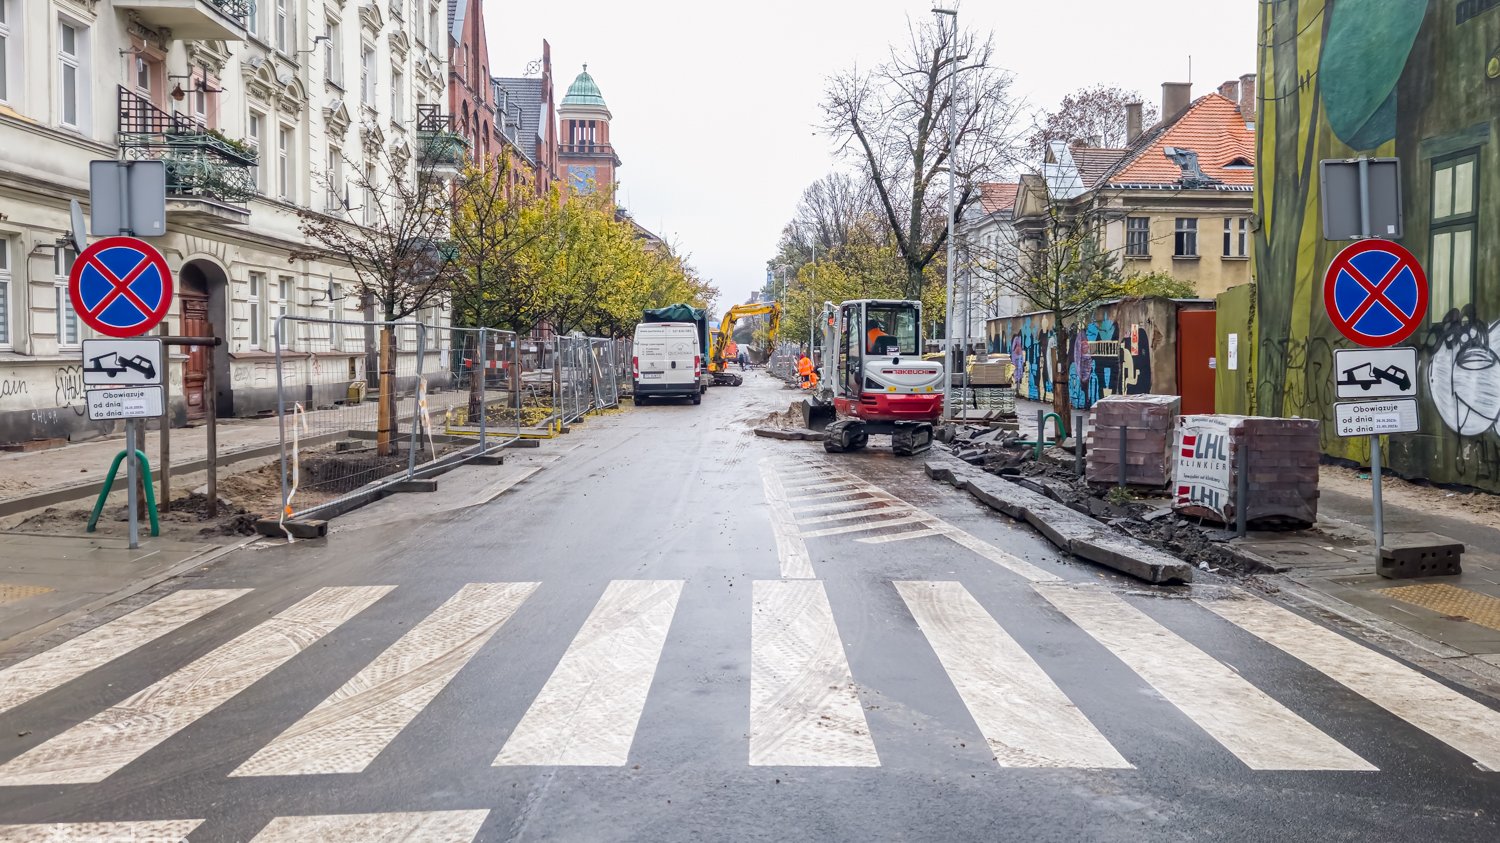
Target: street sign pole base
109,481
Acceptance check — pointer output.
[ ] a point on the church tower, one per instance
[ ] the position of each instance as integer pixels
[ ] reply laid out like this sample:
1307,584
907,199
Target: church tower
586,158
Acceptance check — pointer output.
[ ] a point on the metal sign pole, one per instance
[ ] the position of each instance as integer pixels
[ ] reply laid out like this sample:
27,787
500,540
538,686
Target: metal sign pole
130,479
1379,514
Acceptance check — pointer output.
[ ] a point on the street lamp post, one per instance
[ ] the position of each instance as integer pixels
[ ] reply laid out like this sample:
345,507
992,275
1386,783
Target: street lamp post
952,130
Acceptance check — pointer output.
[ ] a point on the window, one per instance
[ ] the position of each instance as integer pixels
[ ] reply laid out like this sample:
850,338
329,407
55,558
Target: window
257,287
332,69
1455,228
1236,237
252,17
335,330
434,30
72,75
1137,237
1187,238
898,322
284,286
67,319
335,176
5,44
256,125
283,24
398,95
372,199
4,293
367,76
284,163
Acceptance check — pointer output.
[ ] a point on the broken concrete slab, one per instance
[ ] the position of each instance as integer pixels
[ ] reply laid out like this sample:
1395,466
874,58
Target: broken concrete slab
789,434
309,529
1071,531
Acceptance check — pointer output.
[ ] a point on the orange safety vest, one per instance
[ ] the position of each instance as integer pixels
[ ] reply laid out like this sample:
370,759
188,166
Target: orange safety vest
804,367
871,336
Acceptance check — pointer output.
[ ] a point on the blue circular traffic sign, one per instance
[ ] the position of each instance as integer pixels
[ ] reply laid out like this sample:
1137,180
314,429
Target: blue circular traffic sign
1376,293
120,286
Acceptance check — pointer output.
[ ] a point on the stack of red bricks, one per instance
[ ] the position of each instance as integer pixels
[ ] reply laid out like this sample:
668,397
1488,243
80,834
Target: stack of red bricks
1149,425
1283,459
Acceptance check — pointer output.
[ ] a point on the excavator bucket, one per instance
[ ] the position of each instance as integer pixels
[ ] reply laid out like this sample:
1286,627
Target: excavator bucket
815,414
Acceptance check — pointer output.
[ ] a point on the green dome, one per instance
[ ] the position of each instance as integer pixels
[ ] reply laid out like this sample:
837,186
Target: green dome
584,91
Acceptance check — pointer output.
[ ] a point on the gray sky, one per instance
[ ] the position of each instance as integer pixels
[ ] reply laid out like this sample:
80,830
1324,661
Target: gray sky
715,103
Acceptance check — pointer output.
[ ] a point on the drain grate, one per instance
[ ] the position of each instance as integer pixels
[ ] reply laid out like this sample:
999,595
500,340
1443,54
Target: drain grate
1452,602
10,593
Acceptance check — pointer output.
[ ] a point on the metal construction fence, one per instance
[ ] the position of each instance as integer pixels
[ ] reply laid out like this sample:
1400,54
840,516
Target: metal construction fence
346,431
783,362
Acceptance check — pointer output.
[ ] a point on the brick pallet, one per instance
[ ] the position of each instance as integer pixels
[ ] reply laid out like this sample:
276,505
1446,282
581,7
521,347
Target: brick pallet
1150,423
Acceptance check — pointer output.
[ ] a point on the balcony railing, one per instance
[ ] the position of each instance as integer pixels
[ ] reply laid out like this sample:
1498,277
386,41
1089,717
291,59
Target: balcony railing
200,161
439,143
585,149
215,20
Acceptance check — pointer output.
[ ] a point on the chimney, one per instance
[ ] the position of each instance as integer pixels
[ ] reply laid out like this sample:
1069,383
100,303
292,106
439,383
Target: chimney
1175,98
1248,102
1133,121
1230,91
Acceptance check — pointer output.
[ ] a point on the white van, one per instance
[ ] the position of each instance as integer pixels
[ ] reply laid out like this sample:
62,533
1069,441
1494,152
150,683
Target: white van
668,362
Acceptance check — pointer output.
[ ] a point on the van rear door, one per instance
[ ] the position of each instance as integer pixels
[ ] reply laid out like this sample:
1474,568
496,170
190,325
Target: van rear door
665,351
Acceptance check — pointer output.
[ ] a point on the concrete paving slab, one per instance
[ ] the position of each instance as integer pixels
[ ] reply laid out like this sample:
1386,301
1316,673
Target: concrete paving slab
79,571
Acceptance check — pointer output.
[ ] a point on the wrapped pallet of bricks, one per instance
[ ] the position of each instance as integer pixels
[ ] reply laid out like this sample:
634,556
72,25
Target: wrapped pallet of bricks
1280,456
1140,428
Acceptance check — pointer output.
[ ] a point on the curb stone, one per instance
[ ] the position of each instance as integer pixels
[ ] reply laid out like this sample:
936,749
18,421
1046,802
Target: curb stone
1070,531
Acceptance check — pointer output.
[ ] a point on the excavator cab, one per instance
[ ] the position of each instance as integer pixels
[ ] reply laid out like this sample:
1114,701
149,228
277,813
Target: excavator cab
879,382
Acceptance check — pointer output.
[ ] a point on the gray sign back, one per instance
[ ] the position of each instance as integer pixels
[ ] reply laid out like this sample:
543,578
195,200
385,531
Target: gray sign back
1339,183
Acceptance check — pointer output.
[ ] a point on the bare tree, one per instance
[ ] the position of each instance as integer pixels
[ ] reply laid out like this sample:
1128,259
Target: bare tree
893,120
1058,265
1092,116
394,241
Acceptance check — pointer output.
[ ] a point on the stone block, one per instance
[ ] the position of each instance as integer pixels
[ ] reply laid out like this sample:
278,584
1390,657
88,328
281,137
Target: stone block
1406,555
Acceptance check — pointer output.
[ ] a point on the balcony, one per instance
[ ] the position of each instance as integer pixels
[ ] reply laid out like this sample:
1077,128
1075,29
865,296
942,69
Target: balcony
439,145
602,151
193,20
201,162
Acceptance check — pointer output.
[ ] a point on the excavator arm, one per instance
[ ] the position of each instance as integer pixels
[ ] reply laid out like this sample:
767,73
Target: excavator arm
716,361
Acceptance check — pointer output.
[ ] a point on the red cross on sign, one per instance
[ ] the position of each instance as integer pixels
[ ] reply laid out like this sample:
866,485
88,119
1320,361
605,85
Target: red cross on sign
1376,293
120,286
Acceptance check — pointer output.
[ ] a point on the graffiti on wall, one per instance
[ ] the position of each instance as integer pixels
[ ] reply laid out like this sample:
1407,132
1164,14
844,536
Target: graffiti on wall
12,386
1124,370
1463,373
70,390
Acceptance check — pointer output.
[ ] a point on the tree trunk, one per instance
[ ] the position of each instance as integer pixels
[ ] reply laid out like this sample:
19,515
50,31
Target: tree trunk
479,360
1062,382
385,428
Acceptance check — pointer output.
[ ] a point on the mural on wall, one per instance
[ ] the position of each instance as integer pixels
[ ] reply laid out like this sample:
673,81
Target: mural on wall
1414,79
1029,341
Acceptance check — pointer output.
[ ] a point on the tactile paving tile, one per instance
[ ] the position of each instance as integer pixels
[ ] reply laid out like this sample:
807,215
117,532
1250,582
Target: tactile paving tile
10,593
1451,601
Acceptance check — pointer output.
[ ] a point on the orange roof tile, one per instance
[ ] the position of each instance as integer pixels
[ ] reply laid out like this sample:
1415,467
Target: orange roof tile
997,197
1212,127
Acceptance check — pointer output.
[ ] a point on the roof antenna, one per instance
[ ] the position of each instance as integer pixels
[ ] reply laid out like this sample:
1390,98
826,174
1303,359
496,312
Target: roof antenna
1190,70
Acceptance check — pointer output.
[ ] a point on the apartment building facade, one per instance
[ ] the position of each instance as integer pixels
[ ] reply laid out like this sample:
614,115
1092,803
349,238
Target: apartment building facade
260,109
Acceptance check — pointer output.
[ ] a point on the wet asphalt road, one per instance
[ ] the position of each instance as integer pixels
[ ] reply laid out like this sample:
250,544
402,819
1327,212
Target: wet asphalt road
663,679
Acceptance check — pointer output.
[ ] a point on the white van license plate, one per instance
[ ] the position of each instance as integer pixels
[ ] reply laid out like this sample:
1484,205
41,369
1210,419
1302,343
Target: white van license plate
651,374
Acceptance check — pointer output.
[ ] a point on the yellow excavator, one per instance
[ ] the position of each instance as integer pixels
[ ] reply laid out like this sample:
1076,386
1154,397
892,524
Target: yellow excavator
717,366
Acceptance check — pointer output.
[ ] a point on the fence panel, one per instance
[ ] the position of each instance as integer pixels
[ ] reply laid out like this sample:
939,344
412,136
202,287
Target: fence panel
339,432
472,400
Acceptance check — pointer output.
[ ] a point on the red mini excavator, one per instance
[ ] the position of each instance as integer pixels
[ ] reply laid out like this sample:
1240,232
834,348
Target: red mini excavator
874,378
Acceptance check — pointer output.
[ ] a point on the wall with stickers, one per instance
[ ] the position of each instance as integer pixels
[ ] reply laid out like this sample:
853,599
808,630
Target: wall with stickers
1126,347
1419,81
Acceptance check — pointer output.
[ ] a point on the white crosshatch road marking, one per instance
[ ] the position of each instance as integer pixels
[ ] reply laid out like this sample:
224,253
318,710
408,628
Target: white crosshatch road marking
1025,717
345,732
105,643
97,748
871,500
1260,731
804,710
138,831
790,549
587,713
416,826
1451,717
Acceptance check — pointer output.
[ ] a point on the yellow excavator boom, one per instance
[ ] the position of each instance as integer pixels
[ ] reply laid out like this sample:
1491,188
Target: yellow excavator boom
725,333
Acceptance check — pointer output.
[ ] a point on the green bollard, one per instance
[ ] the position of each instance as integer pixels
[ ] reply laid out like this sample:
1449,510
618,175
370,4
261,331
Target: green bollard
109,482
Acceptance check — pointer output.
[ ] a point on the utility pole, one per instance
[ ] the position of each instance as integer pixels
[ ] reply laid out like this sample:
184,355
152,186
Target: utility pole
952,130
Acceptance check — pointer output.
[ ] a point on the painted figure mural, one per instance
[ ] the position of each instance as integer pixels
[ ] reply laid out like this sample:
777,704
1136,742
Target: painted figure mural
1418,80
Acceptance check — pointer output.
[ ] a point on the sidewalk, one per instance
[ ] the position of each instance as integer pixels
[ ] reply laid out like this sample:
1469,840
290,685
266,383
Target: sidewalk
1332,566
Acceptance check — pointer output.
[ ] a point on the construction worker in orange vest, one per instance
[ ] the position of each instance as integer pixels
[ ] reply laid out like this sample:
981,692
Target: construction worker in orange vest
809,375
